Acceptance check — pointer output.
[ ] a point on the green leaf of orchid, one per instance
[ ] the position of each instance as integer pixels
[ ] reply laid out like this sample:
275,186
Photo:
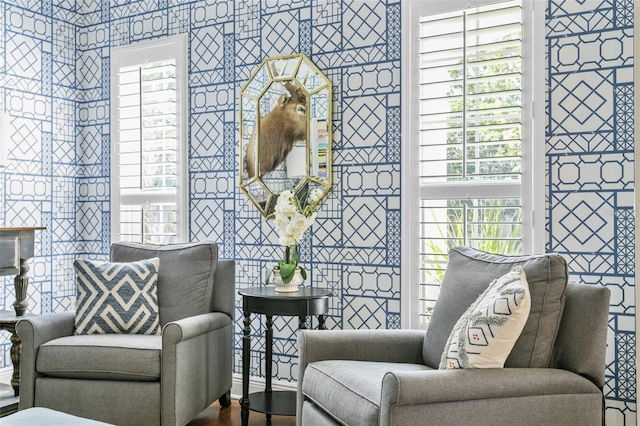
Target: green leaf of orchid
287,270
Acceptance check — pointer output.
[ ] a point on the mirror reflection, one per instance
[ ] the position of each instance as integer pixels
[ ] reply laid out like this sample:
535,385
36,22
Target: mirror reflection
285,132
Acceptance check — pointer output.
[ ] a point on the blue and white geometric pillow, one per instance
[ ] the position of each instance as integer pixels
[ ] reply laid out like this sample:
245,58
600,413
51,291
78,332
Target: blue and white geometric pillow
485,334
118,298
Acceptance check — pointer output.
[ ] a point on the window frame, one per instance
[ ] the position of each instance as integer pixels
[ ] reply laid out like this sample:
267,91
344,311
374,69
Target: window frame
173,47
533,166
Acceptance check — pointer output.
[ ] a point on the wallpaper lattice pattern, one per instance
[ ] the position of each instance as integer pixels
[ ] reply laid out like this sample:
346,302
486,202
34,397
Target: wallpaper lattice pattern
590,166
54,82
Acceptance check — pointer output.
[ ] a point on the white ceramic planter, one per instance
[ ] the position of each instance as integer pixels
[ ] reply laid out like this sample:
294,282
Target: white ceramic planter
290,287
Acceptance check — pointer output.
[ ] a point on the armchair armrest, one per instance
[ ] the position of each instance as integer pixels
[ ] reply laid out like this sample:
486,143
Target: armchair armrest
196,364
434,389
190,327
40,329
360,345
33,332
434,386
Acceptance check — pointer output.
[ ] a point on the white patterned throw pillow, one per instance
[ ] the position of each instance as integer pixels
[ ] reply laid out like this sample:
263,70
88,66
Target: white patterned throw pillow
485,334
118,298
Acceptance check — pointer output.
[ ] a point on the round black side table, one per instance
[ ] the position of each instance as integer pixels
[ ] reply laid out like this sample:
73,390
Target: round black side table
265,300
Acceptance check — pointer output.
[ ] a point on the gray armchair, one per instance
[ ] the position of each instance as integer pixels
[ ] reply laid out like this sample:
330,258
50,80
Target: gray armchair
553,376
132,379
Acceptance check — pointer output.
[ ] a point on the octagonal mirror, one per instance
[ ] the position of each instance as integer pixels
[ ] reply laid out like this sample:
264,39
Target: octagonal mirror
285,133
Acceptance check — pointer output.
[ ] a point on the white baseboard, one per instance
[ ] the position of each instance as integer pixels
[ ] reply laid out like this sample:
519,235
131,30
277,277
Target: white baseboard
256,384
7,372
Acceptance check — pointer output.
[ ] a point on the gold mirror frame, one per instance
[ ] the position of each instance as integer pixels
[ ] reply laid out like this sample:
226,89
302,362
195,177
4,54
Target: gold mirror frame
289,147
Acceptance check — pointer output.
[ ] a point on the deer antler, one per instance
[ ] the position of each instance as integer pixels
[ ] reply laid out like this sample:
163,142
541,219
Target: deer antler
274,70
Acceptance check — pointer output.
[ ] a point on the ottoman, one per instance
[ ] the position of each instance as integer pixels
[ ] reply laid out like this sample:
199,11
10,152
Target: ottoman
36,416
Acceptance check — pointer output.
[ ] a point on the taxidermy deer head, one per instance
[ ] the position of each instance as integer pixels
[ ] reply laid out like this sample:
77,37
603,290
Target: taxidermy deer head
285,124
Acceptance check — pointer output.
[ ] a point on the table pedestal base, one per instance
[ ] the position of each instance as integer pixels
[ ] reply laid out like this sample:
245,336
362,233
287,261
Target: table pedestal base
264,300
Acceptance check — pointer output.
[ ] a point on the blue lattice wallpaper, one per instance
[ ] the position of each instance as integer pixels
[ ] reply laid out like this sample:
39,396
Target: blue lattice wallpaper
54,83
590,142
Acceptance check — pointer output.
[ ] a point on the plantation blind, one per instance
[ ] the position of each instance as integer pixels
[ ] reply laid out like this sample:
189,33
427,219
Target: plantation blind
149,140
470,137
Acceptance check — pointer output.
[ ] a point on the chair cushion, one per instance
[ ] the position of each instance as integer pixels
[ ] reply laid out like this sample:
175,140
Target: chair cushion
469,272
350,390
117,297
102,356
485,334
185,277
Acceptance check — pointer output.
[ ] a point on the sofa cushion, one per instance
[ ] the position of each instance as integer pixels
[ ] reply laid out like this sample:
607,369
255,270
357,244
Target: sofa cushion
350,390
485,334
117,297
468,274
102,356
186,275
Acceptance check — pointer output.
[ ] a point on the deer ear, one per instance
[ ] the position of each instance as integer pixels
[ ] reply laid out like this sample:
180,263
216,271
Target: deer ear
283,100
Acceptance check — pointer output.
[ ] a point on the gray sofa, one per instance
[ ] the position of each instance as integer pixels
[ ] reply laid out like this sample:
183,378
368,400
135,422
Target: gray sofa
553,376
132,379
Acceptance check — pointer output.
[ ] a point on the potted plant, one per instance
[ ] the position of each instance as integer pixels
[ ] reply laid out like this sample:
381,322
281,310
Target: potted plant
291,222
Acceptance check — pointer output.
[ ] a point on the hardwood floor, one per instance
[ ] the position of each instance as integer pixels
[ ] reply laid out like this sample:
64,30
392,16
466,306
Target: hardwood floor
216,416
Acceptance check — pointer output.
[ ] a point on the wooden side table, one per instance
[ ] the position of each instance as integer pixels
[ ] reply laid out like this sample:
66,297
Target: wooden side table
266,301
16,248
8,321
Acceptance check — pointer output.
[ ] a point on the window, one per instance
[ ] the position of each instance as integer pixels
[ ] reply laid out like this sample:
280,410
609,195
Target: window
149,158
470,122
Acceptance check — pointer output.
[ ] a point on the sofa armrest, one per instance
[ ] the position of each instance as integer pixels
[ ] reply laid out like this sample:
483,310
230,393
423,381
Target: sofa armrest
360,345
196,364
33,332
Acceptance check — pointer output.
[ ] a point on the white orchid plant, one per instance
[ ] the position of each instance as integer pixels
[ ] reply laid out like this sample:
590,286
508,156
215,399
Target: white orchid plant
291,222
